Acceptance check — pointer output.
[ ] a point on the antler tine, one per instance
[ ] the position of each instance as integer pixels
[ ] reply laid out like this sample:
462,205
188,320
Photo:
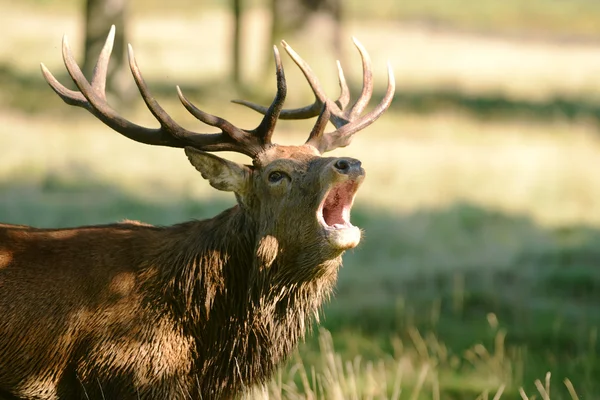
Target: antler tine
169,126
267,125
344,99
92,97
211,120
313,81
69,96
367,89
342,136
98,81
316,134
101,69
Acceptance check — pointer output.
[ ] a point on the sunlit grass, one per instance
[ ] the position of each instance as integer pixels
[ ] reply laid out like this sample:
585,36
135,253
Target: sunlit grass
569,19
421,369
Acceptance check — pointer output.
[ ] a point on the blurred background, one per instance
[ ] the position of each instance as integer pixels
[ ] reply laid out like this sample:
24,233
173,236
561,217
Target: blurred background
479,272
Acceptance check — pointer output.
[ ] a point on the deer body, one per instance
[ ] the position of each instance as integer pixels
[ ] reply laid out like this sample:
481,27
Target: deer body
202,309
98,316
142,312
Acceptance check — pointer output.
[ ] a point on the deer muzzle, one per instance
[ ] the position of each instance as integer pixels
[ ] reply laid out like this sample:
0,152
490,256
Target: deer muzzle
342,182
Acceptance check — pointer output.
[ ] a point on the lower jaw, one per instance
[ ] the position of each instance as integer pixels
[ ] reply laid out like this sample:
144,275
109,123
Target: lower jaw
343,238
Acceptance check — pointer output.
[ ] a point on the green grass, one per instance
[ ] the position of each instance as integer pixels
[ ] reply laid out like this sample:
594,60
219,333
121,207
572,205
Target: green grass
479,269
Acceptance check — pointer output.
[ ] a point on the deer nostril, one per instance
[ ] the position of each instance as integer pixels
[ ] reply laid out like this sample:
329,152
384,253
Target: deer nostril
342,165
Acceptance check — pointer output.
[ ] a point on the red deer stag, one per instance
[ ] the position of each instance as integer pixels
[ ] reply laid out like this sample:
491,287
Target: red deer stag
202,309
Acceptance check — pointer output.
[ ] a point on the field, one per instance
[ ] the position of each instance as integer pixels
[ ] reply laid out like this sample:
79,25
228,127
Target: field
479,272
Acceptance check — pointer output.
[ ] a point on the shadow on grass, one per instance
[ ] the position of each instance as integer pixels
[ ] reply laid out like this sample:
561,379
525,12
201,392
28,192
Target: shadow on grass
451,272
31,94
498,106
58,202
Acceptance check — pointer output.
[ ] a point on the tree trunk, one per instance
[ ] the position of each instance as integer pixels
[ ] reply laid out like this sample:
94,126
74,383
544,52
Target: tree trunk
290,16
337,12
276,29
99,16
236,72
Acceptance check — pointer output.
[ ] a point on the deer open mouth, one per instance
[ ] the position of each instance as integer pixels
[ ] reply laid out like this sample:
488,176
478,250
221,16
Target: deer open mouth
334,210
334,215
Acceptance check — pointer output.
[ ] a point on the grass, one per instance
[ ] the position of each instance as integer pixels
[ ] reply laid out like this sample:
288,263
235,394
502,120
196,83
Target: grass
571,20
478,273
567,19
420,373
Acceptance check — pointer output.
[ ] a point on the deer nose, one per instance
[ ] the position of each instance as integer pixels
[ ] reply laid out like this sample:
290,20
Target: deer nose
347,165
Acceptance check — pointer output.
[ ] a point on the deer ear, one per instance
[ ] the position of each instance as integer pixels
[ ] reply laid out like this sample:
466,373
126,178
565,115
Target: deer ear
221,174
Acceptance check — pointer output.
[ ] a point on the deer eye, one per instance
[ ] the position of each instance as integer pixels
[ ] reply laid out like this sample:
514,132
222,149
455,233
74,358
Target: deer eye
276,176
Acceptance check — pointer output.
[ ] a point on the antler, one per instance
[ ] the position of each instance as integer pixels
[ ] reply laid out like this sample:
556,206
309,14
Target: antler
348,121
92,97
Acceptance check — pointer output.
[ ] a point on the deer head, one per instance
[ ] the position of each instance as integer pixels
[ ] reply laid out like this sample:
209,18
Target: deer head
295,195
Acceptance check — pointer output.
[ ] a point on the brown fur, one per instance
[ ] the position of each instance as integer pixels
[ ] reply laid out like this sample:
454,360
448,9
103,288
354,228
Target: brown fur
202,309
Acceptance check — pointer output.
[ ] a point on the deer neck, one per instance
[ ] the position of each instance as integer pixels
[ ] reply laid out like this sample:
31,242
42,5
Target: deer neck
221,281
204,261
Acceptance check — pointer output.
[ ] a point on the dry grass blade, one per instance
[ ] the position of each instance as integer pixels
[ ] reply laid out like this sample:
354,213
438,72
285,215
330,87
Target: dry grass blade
571,389
548,375
419,343
499,392
417,389
542,390
397,391
436,388
483,396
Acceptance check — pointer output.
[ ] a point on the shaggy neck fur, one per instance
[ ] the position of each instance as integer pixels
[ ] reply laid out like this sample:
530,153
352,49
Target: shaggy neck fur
244,299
